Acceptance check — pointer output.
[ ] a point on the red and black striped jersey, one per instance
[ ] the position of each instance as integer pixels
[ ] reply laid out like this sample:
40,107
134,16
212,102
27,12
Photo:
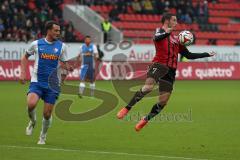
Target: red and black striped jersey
167,48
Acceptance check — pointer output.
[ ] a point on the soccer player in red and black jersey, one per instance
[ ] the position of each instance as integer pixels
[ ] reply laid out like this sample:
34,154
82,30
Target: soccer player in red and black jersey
163,68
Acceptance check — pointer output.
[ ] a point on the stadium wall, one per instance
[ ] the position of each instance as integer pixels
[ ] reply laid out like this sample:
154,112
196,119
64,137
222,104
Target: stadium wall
131,62
10,70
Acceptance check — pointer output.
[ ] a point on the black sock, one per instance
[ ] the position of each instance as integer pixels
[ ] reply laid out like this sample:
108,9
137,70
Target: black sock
155,110
137,97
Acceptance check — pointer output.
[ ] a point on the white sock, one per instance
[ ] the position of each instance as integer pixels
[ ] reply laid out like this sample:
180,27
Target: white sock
81,87
92,87
32,115
45,125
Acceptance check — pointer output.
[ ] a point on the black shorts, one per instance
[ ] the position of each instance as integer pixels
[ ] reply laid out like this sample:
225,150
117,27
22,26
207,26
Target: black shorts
163,75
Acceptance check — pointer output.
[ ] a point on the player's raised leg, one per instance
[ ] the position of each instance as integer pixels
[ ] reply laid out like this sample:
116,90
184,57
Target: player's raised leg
46,122
32,100
148,87
156,109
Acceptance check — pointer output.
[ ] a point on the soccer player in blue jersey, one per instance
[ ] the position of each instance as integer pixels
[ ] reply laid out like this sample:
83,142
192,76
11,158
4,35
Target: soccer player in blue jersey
45,80
88,55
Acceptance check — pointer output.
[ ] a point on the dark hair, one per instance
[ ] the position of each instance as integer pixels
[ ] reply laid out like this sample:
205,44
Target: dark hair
167,16
49,25
87,36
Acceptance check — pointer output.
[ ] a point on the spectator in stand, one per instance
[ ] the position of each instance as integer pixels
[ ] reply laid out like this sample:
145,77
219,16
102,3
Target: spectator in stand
122,8
2,28
237,43
108,2
147,7
185,11
160,6
113,14
202,12
69,34
21,16
16,34
167,6
173,3
187,19
213,1
22,20
182,6
50,15
136,6
38,34
56,6
190,10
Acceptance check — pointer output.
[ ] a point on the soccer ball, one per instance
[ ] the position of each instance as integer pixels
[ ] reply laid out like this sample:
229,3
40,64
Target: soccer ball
185,38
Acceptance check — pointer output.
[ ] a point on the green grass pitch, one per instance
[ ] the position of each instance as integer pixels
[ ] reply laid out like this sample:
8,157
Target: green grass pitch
211,129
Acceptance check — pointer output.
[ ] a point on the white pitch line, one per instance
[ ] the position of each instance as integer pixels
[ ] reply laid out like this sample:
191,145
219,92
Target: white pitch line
99,152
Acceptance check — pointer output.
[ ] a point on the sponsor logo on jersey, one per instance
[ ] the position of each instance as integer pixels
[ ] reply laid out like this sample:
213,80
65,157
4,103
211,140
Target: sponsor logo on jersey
55,50
49,56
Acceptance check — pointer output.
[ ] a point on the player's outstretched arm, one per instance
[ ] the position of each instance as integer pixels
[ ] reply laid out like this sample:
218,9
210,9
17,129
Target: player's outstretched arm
190,55
24,61
212,53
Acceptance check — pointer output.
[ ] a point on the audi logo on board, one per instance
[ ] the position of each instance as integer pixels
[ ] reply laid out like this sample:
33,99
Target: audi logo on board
116,71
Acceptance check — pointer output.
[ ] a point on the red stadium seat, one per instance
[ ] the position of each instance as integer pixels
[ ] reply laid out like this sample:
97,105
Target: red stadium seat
143,41
227,1
222,13
218,20
229,28
221,6
226,42
139,18
104,9
217,35
201,42
141,26
68,1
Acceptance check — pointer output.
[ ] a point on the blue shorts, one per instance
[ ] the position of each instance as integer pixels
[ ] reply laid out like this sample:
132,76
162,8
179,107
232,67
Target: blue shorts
87,71
46,94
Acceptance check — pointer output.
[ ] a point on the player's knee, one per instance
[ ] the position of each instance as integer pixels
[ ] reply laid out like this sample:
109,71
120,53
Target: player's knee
31,104
147,88
163,98
47,115
163,103
150,87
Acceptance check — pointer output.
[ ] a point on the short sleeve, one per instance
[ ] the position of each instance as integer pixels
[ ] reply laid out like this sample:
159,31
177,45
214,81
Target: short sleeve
95,51
80,50
64,54
32,49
